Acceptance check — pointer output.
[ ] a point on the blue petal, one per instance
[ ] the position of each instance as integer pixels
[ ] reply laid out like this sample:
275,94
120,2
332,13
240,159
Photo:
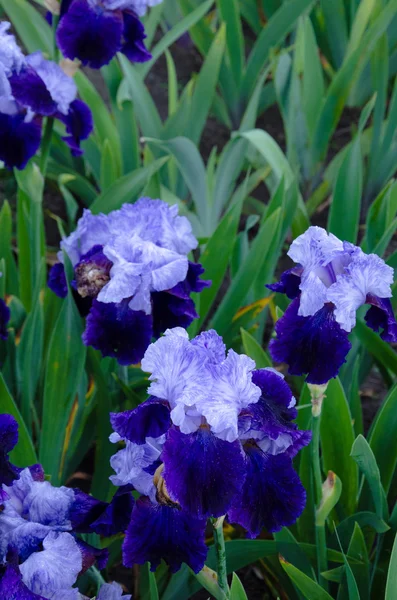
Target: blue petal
57,280
150,419
273,496
203,473
269,421
12,586
118,331
92,555
112,591
79,125
55,568
19,141
84,511
381,317
29,90
8,440
89,33
289,283
116,517
175,308
134,34
160,532
316,346
4,318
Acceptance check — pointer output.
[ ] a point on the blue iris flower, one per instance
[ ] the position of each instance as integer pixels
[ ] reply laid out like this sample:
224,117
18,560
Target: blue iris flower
95,30
132,272
31,88
330,282
215,437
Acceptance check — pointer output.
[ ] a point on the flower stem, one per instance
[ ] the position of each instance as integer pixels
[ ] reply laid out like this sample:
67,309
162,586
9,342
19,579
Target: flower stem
317,396
45,147
220,554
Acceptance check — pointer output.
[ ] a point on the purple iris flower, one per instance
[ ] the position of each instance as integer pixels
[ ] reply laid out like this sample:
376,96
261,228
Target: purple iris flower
329,283
8,441
95,30
112,591
216,437
32,87
131,267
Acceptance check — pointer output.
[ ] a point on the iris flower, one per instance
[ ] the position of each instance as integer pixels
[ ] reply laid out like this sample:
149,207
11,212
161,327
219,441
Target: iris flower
215,437
330,282
31,88
132,272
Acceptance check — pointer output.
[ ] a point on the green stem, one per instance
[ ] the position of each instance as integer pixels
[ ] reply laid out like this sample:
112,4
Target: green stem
45,147
317,393
321,541
220,555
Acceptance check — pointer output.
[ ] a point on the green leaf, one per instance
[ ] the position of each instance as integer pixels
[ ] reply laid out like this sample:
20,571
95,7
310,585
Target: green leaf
216,257
175,33
126,189
246,275
205,87
30,230
313,81
360,571
134,88
364,457
278,27
104,127
24,453
379,349
64,369
191,165
391,584
33,30
109,170
363,519
230,14
349,184
336,28
147,584
237,591
308,587
337,437
30,351
254,350
11,276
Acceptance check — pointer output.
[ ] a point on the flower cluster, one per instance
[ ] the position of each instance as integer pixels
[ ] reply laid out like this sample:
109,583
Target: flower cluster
215,437
330,282
40,554
95,30
31,88
132,276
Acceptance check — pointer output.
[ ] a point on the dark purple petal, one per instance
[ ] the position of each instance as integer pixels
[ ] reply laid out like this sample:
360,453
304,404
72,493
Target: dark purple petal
19,141
134,34
118,331
150,419
273,414
8,440
175,308
316,346
65,4
12,586
29,90
289,283
4,318
203,473
92,272
159,532
84,511
90,33
116,517
92,555
273,496
380,317
79,125
57,280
